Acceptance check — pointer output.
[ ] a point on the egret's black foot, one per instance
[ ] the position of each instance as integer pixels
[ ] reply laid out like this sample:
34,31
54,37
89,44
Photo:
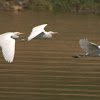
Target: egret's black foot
76,56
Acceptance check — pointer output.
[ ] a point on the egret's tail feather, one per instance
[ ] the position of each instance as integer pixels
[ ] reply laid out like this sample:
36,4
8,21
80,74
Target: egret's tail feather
24,40
78,56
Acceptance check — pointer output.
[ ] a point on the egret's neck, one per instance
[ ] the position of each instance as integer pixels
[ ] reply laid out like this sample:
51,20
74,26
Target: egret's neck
48,33
45,32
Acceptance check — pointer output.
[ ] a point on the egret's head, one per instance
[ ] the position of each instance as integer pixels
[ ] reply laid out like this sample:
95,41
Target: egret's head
16,35
51,32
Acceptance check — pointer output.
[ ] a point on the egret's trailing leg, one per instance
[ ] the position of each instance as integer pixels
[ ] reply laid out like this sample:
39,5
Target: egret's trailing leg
24,39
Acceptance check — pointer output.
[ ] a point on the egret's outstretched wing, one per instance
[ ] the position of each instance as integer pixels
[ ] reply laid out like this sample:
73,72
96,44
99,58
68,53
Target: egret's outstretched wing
8,48
36,31
87,46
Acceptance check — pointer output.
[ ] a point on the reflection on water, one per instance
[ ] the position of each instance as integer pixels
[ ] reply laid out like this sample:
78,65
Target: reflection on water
44,69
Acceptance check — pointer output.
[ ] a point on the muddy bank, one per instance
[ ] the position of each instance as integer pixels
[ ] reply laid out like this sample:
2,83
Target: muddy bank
86,6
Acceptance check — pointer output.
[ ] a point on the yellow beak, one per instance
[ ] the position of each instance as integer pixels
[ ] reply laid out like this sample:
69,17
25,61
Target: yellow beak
55,32
21,33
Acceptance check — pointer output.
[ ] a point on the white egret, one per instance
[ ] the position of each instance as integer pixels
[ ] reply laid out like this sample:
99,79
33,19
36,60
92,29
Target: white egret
7,43
38,32
91,49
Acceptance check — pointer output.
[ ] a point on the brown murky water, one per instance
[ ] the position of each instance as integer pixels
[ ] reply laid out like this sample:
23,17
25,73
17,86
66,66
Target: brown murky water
44,69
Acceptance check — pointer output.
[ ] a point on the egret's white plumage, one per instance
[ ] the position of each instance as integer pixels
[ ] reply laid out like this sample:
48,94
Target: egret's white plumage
36,31
90,48
39,32
7,43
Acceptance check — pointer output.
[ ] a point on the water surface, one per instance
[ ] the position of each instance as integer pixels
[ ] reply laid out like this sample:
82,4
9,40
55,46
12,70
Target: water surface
44,69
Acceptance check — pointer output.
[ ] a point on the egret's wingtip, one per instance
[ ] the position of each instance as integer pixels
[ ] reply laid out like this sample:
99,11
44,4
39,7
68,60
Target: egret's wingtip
45,24
9,61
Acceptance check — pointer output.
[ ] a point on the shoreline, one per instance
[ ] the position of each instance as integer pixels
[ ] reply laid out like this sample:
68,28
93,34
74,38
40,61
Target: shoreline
13,5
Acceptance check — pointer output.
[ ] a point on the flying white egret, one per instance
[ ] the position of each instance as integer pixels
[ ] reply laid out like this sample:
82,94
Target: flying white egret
91,49
38,32
7,43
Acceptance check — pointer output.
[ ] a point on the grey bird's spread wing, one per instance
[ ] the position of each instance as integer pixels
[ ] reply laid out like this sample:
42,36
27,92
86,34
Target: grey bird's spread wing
87,46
